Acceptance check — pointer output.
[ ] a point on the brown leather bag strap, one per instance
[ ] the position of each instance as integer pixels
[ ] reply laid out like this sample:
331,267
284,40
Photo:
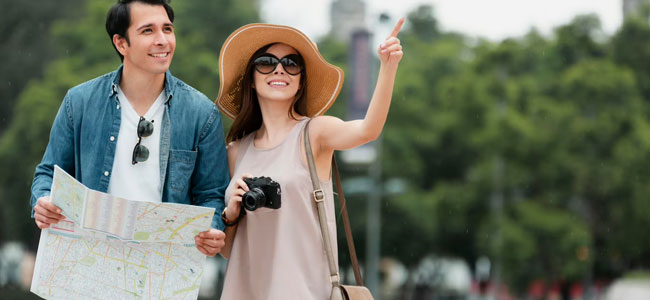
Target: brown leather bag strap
346,223
318,197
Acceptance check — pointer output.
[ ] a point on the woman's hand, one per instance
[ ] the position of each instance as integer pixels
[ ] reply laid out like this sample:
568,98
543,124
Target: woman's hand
234,203
233,213
390,51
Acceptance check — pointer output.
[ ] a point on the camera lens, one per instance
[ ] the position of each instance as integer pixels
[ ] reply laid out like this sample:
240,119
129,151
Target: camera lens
253,199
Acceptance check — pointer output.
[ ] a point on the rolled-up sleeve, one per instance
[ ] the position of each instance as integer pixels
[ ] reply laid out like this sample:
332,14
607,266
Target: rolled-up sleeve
59,151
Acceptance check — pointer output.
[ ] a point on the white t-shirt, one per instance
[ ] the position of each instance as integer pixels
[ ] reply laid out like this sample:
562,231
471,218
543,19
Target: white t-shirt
141,181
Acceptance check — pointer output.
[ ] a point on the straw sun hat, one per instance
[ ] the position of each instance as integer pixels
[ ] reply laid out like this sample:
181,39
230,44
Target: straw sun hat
324,80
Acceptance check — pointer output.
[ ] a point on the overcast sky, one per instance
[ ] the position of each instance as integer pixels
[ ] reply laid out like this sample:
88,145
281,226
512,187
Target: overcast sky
492,19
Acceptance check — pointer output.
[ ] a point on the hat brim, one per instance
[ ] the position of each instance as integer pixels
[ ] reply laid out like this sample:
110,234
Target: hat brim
324,80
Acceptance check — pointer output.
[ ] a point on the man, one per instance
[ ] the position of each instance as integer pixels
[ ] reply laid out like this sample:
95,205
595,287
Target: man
138,132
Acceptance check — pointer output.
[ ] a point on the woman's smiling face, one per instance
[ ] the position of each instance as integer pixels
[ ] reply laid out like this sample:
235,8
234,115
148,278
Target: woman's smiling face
277,85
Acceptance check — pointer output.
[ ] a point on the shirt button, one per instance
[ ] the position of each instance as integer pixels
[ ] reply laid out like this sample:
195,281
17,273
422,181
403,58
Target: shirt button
112,138
118,106
105,173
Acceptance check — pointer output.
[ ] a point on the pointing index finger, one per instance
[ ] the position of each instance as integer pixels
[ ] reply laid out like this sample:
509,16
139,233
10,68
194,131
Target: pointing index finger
397,28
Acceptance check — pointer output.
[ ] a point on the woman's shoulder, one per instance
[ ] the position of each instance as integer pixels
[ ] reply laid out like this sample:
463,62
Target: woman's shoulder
325,118
232,147
231,150
323,123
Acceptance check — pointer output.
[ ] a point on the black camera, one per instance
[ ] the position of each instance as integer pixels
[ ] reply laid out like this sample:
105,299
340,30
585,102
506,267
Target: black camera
262,192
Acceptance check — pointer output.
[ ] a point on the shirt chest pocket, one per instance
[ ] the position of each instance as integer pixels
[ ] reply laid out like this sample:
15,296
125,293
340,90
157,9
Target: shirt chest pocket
181,167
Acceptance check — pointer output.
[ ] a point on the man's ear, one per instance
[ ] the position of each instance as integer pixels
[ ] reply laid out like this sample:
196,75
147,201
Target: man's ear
120,44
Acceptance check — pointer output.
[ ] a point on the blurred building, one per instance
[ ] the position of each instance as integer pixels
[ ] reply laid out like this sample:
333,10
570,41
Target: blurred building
16,265
633,7
440,278
629,289
347,17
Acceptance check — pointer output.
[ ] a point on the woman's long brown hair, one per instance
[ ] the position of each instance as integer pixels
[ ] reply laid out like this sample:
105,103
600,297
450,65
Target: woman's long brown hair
249,118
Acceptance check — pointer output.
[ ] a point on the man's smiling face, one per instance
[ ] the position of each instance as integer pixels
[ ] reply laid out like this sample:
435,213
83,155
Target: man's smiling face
151,39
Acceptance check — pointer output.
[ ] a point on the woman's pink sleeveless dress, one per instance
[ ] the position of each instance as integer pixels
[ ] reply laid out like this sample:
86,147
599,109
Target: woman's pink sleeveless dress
278,253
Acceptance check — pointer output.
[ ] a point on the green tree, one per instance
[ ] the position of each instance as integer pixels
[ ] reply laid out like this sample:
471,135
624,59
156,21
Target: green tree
631,48
577,40
26,45
83,53
494,135
201,28
538,242
423,23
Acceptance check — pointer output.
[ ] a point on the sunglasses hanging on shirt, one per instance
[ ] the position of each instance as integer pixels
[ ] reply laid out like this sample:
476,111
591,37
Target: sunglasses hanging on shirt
140,152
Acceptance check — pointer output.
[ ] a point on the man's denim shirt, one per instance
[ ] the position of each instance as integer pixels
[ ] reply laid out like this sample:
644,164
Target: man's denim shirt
193,162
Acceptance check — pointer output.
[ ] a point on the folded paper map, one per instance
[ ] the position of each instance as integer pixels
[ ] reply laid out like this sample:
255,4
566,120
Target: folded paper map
113,248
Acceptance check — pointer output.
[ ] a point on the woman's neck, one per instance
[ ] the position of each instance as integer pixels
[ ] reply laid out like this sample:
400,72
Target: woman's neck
274,129
275,115
276,124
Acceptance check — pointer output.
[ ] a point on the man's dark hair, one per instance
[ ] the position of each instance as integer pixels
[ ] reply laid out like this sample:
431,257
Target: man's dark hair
118,18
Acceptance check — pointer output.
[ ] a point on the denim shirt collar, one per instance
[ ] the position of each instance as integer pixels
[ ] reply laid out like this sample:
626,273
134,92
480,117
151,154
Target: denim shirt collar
169,84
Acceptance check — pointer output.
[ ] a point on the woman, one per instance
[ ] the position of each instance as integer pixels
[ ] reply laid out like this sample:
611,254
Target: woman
273,80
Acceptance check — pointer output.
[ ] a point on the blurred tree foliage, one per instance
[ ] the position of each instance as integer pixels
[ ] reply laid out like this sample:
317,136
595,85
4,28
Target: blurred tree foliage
26,47
83,52
531,151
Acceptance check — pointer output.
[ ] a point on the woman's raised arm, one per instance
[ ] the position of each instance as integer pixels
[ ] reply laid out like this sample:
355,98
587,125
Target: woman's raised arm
334,134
